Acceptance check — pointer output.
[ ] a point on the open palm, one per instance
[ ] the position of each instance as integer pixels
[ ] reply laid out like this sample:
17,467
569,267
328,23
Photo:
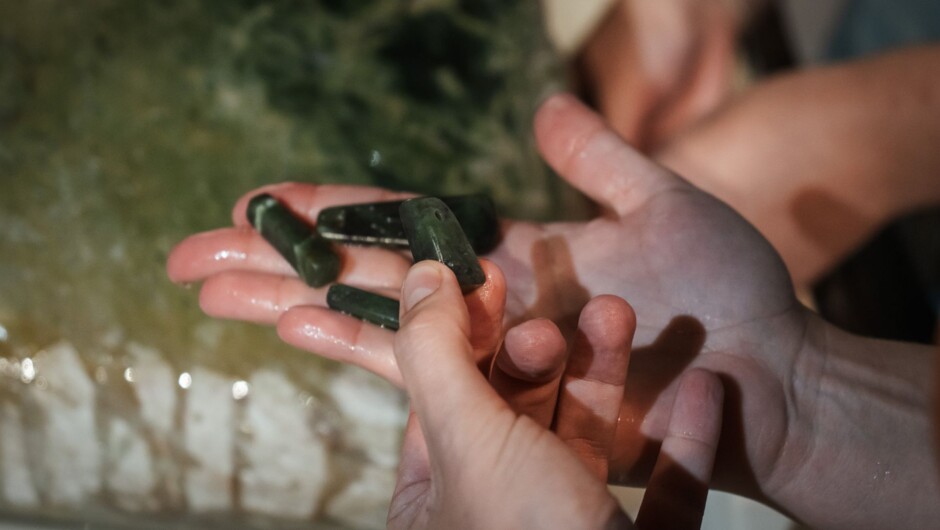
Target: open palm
708,291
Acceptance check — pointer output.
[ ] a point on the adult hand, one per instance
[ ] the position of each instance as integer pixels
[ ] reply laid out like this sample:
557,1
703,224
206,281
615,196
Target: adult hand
710,292
820,159
470,461
653,68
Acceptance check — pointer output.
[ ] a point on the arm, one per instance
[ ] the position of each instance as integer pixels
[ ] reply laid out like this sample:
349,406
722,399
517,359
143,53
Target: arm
709,292
860,434
819,160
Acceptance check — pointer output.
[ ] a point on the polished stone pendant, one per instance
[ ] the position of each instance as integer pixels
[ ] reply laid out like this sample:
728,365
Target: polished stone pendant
309,254
379,223
434,233
370,307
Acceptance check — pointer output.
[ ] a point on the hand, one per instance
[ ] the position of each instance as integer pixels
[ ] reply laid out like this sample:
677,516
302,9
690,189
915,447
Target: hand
819,160
470,461
710,291
653,68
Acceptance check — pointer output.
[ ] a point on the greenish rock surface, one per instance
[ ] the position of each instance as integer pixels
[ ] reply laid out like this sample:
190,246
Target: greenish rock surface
370,307
379,223
434,233
309,254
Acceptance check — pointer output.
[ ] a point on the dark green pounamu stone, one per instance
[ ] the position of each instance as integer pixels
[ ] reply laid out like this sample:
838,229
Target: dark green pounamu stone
309,254
379,223
370,307
434,233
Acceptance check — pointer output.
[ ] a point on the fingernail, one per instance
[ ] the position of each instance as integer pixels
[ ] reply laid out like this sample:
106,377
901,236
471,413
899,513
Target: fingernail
422,280
559,101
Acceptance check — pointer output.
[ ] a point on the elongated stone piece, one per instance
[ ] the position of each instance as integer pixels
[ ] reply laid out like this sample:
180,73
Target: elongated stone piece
371,307
379,223
309,254
434,233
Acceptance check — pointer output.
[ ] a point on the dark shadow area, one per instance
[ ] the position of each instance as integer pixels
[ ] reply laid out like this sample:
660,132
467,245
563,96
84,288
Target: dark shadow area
890,288
560,295
652,369
674,498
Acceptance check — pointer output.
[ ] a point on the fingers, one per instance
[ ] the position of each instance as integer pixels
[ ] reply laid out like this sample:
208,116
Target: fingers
342,338
528,370
486,306
206,253
242,249
306,200
593,384
435,357
591,157
678,487
254,297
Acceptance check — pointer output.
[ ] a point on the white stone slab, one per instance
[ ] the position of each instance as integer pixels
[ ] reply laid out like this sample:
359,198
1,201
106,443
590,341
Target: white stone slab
377,411
18,487
208,436
65,397
130,477
364,502
155,387
285,463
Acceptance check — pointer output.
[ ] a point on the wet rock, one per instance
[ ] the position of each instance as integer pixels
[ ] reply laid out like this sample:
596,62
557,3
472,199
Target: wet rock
376,413
285,464
18,487
64,396
209,441
130,479
363,503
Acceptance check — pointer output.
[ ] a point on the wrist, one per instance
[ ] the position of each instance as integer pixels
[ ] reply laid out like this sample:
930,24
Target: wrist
859,434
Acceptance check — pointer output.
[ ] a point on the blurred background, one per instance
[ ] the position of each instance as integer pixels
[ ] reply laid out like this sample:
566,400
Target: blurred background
126,126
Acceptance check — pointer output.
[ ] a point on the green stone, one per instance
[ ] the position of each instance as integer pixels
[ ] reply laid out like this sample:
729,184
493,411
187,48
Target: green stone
379,223
370,307
434,233
309,254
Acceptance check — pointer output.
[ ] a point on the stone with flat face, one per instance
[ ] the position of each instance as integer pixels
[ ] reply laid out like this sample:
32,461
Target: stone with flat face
434,233
309,254
371,307
379,223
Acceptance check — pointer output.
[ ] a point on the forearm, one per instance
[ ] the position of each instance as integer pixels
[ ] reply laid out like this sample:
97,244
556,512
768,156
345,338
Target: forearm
819,160
900,93
869,131
859,450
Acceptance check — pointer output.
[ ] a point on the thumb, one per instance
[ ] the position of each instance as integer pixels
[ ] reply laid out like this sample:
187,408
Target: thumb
435,356
577,143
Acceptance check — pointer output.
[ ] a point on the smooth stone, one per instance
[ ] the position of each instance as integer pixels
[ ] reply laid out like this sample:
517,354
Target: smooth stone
309,254
379,223
434,233
370,307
